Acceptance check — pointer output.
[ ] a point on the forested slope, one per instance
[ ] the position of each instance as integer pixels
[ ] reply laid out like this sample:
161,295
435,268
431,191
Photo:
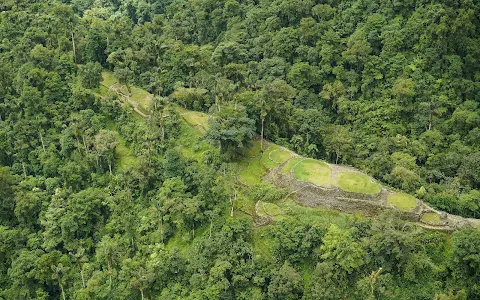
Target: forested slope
98,202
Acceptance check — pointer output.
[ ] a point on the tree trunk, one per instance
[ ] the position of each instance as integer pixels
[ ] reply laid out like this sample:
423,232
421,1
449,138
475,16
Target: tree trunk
211,223
24,170
336,160
63,292
83,278
110,271
161,227
74,51
41,139
162,126
429,122
141,292
84,143
261,136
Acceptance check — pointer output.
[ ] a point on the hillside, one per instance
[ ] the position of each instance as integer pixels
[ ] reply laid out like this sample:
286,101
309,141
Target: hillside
232,149
310,182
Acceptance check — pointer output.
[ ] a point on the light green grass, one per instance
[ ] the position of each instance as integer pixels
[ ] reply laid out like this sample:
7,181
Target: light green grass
125,158
358,183
263,244
108,79
270,208
267,162
431,217
314,171
253,171
138,95
192,146
291,209
198,120
402,201
280,155
291,163
253,150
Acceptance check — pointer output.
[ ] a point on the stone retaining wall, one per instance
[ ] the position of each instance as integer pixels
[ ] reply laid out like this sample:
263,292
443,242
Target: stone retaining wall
311,195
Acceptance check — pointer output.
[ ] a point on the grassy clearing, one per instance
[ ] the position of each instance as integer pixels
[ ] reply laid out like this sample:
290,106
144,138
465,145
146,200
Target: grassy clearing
314,171
267,162
402,201
313,214
125,157
193,146
267,208
253,171
431,217
280,155
358,183
196,118
288,167
272,209
140,96
252,150
263,244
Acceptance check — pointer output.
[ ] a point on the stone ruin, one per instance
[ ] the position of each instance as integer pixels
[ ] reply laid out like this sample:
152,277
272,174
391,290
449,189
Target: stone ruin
312,195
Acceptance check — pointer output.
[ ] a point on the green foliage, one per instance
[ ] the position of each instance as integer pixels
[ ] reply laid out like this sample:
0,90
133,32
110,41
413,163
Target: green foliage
91,75
465,258
231,129
99,202
286,284
340,248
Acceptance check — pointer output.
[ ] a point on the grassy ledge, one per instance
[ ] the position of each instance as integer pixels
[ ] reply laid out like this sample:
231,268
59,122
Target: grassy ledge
291,163
314,171
402,201
431,217
357,183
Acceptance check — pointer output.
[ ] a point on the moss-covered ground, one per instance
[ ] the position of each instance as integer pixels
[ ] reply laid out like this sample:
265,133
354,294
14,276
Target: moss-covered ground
358,183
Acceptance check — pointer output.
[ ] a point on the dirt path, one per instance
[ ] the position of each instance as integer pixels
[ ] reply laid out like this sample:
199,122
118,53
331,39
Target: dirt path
127,99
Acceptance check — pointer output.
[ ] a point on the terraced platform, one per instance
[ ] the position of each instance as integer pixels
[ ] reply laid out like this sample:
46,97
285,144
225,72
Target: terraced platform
316,183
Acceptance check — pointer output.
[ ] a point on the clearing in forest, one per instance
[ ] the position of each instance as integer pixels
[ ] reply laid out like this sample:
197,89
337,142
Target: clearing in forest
402,201
197,119
314,171
357,183
138,98
268,209
291,163
274,156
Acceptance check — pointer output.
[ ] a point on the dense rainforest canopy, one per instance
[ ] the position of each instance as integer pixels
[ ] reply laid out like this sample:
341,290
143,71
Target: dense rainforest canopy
98,201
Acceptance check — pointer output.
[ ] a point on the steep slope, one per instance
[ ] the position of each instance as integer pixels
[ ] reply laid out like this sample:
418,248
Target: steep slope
311,183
